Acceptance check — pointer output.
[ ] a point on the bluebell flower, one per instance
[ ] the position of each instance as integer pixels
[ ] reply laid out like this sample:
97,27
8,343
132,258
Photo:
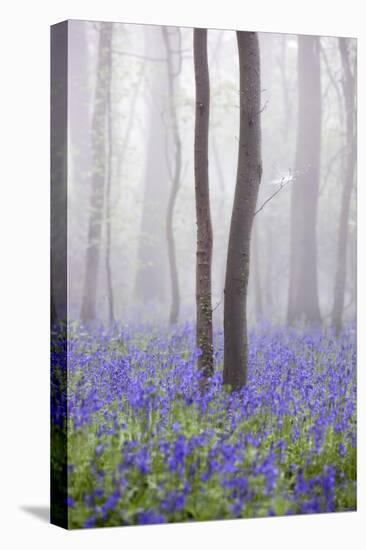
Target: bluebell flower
90,522
149,517
70,502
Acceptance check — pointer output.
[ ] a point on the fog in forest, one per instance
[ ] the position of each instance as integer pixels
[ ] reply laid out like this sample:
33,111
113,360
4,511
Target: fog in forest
131,239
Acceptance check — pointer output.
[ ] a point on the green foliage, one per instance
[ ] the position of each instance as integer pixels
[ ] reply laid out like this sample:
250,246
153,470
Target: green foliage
139,449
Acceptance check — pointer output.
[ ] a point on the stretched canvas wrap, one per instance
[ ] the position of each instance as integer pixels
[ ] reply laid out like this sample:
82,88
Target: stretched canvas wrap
203,274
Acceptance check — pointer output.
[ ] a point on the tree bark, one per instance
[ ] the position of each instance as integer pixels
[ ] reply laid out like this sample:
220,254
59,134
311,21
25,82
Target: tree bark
203,214
249,174
303,303
348,85
175,176
88,308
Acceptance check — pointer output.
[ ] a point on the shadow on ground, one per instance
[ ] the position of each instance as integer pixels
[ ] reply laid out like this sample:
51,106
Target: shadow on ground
40,512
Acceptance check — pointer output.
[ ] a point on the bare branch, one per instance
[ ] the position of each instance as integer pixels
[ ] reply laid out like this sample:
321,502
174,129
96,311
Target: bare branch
264,107
218,304
284,181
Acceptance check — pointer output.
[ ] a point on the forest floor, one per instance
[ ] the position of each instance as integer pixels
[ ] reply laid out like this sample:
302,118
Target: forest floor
145,447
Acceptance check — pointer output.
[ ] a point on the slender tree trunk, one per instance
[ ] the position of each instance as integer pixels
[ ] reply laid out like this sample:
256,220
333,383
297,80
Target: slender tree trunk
286,91
88,308
246,192
175,176
203,214
79,102
108,220
334,82
150,283
121,154
348,84
303,301
130,123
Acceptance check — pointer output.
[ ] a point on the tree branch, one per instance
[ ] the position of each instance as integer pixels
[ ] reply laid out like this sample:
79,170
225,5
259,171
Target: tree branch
217,305
284,182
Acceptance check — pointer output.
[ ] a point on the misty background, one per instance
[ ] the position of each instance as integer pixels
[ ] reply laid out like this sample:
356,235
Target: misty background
122,174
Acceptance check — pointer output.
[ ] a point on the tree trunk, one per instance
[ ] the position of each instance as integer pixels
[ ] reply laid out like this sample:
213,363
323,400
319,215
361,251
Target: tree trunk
175,174
286,91
303,301
348,85
249,174
121,154
79,103
88,308
203,215
150,283
108,220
